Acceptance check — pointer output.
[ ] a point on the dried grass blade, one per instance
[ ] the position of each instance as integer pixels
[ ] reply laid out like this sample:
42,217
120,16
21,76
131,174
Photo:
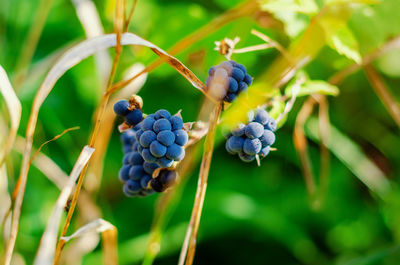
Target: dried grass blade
14,110
91,23
109,235
201,189
383,93
45,254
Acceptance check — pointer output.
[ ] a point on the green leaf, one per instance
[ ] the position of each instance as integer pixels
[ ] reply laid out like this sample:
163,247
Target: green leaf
344,42
300,6
313,87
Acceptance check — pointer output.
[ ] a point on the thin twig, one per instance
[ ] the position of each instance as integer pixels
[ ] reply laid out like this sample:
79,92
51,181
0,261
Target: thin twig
300,143
389,46
129,18
201,189
383,93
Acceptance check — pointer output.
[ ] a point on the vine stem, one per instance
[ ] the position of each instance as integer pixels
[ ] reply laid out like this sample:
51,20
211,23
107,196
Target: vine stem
189,245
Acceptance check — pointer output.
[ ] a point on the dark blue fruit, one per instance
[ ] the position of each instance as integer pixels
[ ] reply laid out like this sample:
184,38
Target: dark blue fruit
134,117
121,108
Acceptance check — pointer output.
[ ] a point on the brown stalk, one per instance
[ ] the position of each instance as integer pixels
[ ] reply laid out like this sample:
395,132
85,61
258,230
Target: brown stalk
201,189
129,18
109,242
383,93
300,143
324,130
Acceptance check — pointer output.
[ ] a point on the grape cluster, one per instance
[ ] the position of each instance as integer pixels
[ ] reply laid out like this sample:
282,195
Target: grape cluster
254,138
227,80
131,114
162,139
135,172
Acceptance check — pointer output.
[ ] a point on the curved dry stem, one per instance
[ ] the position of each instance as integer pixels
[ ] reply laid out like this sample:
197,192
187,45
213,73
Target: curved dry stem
383,93
14,110
201,189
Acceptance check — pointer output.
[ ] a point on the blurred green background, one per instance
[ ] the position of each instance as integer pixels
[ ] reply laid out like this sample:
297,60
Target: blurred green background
252,215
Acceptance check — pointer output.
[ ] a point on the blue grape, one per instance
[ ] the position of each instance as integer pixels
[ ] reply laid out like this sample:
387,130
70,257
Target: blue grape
265,151
268,138
124,173
242,87
167,177
156,185
158,150
239,131
149,167
270,125
175,152
245,157
252,146
241,67
134,117
144,182
248,80
121,108
136,172
128,136
164,162
147,123
147,138
125,160
261,116
166,137
230,97
162,113
176,122
235,144
135,147
237,74
127,149
132,186
233,85
138,134
161,125
135,159
140,148
147,156
254,130
181,137
227,147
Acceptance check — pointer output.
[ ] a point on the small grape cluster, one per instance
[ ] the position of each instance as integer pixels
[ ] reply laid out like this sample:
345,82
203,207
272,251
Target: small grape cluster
162,139
254,138
136,174
227,80
129,110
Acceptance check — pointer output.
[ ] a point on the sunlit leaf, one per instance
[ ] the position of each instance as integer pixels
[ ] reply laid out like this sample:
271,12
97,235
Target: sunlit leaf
344,42
301,6
314,87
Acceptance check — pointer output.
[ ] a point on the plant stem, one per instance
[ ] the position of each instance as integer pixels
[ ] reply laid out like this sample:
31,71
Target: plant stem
189,245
